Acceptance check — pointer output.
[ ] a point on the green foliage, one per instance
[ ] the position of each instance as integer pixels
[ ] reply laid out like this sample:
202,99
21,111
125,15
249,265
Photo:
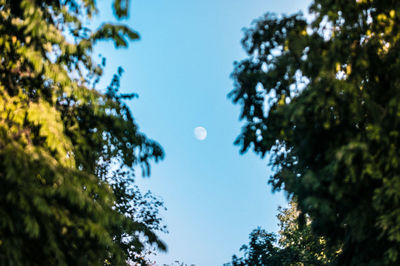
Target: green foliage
296,245
68,151
322,97
261,250
300,246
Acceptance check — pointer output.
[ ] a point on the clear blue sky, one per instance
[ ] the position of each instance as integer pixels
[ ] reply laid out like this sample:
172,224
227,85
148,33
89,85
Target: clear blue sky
181,70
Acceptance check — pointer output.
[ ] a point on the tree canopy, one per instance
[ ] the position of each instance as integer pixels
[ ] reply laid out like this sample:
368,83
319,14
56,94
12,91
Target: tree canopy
67,150
294,244
321,96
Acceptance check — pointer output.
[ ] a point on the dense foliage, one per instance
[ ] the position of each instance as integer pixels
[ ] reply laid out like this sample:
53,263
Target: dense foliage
294,245
67,150
322,96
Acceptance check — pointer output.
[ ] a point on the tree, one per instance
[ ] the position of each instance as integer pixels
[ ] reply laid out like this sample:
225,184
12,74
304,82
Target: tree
299,245
67,150
260,251
321,96
294,245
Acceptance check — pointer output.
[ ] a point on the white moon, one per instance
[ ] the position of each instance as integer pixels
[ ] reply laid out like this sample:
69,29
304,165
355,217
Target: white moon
200,133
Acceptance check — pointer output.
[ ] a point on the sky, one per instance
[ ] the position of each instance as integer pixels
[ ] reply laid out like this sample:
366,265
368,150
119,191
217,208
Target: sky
181,70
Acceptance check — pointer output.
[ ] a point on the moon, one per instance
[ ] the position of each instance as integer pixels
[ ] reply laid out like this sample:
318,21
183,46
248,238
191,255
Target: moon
200,133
